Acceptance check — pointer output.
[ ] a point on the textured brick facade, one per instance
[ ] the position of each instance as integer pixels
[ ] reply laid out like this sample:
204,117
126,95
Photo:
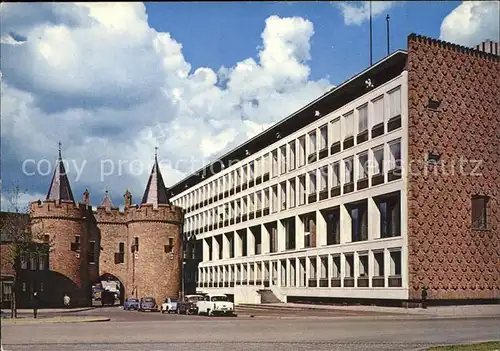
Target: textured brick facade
445,254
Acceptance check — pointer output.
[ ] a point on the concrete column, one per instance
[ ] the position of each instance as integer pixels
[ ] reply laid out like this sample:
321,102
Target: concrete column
356,268
404,266
373,220
238,245
299,233
319,268
225,246
265,239
345,225
342,269
250,242
329,273
320,229
308,271
297,271
281,236
215,249
387,267
206,249
371,264
288,271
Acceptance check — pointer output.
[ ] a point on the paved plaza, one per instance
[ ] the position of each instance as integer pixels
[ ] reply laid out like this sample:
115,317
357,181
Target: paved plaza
286,330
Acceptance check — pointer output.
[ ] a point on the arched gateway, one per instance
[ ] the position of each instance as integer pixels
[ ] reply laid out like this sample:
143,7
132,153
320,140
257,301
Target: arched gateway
111,283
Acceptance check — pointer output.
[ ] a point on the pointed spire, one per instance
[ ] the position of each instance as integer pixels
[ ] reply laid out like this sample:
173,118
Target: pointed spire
59,186
106,202
156,192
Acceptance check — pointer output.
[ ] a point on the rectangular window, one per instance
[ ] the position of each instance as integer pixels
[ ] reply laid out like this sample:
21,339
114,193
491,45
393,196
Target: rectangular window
283,159
258,167
42,262
275,199
302,189
283,195
348,125
33,263
266,198
395,103
378,158
362,118
265,164
395,148
302,150
291,163
324,178
312,142
251,171
323,141
136,244
378,111
348,170
259,200
170,245
121,247
335,174
332,218
335,129
480,212
91,252
312,182
292,192
363,165
24,260
275,163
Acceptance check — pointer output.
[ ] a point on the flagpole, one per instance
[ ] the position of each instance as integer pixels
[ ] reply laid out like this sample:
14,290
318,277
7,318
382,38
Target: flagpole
371,35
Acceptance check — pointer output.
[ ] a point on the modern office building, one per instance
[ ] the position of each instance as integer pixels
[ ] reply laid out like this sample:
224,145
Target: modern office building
384,185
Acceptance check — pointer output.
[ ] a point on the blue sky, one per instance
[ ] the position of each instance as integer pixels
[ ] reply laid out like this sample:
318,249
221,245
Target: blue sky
220,34
112,81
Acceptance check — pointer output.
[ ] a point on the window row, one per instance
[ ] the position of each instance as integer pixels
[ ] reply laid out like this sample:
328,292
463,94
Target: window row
325,271
341,133
368,168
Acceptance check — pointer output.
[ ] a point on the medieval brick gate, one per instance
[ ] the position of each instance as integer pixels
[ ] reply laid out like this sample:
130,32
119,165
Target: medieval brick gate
110,282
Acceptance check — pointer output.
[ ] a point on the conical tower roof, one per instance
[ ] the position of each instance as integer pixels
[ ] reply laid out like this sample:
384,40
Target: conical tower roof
59,186
106,202
156,192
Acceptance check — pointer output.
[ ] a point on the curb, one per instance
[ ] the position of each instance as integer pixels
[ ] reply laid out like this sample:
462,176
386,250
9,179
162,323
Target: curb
39,321
357,318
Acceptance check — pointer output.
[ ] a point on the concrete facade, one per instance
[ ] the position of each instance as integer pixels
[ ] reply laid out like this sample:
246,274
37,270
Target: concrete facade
312,213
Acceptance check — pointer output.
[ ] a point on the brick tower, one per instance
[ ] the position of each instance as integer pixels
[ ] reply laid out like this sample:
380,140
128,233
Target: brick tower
73,259
154,242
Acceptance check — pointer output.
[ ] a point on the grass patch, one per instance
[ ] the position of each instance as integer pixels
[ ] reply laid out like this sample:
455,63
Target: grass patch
484,346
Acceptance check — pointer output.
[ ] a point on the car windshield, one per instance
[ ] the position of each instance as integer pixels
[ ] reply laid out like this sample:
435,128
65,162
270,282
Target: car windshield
194,298
149,299
133,300
219,298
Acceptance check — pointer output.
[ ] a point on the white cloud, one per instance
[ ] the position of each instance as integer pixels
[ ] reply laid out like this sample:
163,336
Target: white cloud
471,22
357,12
99,79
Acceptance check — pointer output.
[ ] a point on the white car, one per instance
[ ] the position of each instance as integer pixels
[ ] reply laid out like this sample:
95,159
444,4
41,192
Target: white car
169,306
213,304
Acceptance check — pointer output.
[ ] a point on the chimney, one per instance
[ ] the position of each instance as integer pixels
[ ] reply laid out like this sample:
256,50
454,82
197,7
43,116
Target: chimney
489,46
86,196
128,199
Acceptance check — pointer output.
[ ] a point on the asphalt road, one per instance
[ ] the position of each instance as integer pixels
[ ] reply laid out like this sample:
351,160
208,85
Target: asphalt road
131,331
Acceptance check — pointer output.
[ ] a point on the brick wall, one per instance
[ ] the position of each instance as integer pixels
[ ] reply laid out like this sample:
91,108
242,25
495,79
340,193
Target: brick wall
445,254
157,274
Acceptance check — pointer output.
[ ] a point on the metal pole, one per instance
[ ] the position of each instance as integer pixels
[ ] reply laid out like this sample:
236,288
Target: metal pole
388,46
371,55
183,278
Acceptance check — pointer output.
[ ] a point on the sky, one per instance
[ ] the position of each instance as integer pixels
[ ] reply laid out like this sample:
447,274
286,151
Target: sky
112,81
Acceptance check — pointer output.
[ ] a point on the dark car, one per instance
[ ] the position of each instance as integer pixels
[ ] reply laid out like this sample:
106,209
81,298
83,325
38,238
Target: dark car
108,298
188,305
131,304
148,304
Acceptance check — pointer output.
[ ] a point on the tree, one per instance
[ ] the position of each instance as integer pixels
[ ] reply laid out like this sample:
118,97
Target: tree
19,239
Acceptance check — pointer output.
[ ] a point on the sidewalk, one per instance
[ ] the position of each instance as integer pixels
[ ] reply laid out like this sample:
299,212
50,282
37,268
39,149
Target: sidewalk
438,311
6,312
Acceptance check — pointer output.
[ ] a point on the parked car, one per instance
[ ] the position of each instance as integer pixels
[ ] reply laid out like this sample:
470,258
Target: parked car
169,306
215,304
147,304
188,305
131,304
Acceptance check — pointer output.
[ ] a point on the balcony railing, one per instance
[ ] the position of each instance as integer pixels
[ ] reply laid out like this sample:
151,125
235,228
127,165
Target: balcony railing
349,282
377,179
362,137
363,282
394,174
313,283
335,148
323,282
394,123
336,283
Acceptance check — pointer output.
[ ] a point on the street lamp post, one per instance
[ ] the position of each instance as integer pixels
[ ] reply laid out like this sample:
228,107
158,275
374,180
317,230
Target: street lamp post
182,279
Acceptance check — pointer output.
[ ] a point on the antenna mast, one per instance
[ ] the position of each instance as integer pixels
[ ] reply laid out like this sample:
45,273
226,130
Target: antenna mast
387,18
371,36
